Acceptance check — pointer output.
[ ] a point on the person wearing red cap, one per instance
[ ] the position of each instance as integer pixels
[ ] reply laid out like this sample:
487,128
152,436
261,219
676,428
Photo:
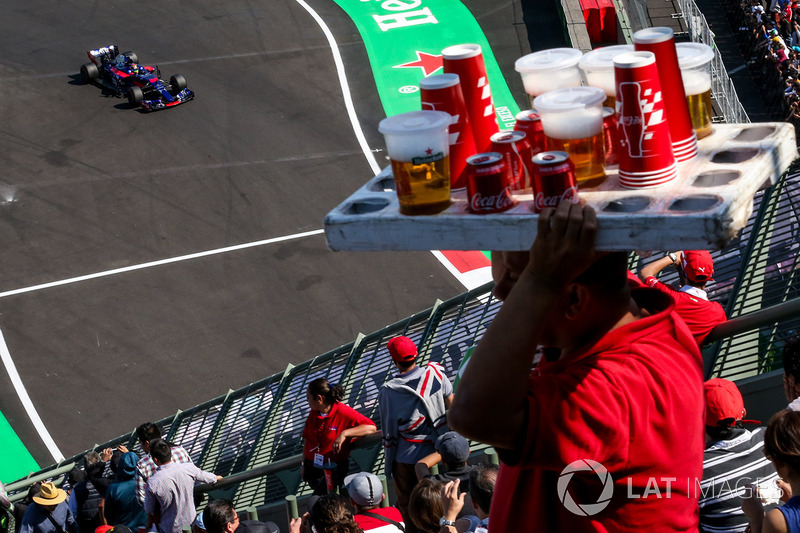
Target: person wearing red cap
613,412
733,459
413,409
695,268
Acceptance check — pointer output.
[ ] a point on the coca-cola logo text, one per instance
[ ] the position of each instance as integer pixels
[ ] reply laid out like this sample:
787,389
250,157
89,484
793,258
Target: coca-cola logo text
497,202
541,201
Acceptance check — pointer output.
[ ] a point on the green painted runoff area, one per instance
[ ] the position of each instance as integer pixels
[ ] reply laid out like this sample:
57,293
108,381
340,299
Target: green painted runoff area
15,462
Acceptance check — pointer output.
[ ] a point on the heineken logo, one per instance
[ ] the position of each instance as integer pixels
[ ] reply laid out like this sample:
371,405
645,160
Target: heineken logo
427,158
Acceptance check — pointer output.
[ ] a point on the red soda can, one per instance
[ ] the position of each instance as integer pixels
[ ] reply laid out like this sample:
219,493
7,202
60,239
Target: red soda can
488,190
530,122
516,149
553,180
610,135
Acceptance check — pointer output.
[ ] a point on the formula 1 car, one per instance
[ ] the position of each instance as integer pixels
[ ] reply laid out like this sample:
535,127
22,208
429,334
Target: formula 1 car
123,75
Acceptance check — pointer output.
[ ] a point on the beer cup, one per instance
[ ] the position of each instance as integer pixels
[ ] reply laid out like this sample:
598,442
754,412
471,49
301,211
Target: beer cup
418,147
695,62
548,70
572,119
598,69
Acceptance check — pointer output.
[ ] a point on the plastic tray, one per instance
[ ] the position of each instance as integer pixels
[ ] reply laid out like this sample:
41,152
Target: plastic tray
704,208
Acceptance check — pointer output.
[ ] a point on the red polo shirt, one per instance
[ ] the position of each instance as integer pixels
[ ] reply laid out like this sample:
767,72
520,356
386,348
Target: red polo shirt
634,404
321,430
699,314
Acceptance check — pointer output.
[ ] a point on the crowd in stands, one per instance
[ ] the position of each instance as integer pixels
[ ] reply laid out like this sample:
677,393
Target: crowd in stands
774,42
590,431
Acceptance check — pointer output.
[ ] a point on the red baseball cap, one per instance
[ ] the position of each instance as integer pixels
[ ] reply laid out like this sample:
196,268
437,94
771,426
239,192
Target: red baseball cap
402,349
724,404
698,265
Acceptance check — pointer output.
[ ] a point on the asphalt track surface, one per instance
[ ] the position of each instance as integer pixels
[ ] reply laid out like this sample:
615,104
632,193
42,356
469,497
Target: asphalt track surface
266,149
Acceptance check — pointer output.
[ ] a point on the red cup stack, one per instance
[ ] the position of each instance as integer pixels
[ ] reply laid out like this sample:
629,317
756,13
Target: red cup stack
466,60
661,42
644,143
442,92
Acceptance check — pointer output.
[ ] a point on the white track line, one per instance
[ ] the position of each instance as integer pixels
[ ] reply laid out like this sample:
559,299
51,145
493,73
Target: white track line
159,263
26,401
348,99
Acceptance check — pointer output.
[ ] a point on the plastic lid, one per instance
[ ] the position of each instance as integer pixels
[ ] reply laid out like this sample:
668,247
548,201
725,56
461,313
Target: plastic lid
691,55
439,81
603,58
461,51
552,59
569,99
655,35
634,59
414,122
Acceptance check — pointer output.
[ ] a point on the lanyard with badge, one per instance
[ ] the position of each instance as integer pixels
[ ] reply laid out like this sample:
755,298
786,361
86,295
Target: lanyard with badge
319,459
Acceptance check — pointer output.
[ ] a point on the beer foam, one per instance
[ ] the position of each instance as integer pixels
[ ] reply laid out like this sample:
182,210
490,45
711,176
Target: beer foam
537,83
602,79
578,124
696,81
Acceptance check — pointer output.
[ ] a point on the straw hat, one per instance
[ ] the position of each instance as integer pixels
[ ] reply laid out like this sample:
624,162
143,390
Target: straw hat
50,495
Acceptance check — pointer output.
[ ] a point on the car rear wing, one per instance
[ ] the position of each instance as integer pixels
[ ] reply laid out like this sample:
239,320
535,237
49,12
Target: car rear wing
109,52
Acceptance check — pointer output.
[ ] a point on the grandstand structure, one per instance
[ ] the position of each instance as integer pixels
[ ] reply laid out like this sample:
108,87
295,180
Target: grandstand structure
252,436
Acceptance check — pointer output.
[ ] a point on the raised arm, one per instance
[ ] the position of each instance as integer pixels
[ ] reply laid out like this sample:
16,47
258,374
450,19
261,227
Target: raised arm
491,402
652,269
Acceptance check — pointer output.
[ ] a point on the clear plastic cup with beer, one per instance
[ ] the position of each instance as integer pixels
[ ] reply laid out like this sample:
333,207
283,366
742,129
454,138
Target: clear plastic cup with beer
419,151
572,119
695,63
598,69
548,70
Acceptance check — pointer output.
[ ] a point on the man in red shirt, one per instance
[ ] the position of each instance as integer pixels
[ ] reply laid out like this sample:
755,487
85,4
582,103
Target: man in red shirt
695,268
606,433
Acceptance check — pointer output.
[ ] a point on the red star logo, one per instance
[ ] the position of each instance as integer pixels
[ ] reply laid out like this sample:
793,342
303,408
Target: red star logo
429,151
429,63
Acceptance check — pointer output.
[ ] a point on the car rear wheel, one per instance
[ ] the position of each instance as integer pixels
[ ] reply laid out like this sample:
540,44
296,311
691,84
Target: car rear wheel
177,83
89,72
135,96
132,55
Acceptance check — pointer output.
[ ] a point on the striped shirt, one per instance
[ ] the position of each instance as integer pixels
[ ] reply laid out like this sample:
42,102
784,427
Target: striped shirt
729,466
145,469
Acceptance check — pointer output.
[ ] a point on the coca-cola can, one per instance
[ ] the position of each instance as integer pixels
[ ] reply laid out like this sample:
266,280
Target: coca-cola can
530,122
610,135
516,149
488,189
553,180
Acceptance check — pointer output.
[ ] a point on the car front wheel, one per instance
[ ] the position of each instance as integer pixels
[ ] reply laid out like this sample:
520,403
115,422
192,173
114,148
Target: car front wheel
135,96
177,83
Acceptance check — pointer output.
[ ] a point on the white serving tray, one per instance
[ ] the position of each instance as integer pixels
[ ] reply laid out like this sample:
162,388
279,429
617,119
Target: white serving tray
704,208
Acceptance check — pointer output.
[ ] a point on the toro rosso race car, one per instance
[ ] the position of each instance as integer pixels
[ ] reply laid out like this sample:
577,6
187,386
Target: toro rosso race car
123,75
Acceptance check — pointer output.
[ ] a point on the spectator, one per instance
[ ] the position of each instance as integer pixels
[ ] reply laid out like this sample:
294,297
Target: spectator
87,495
145,468
366,494
620,384
169,493
791,372
330,428
782,447
453,450
330,514
425,505
22,506
733,459
412,409
482,480
121,505
49,513
219,516
695,268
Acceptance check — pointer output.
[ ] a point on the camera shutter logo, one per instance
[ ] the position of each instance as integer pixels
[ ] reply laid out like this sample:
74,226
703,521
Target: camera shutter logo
585,509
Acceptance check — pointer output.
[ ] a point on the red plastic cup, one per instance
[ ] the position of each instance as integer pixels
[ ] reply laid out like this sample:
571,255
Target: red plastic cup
466,60
661,42
644,148
442,92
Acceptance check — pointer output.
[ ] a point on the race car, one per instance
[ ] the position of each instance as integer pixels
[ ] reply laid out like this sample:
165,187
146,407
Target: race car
143,86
